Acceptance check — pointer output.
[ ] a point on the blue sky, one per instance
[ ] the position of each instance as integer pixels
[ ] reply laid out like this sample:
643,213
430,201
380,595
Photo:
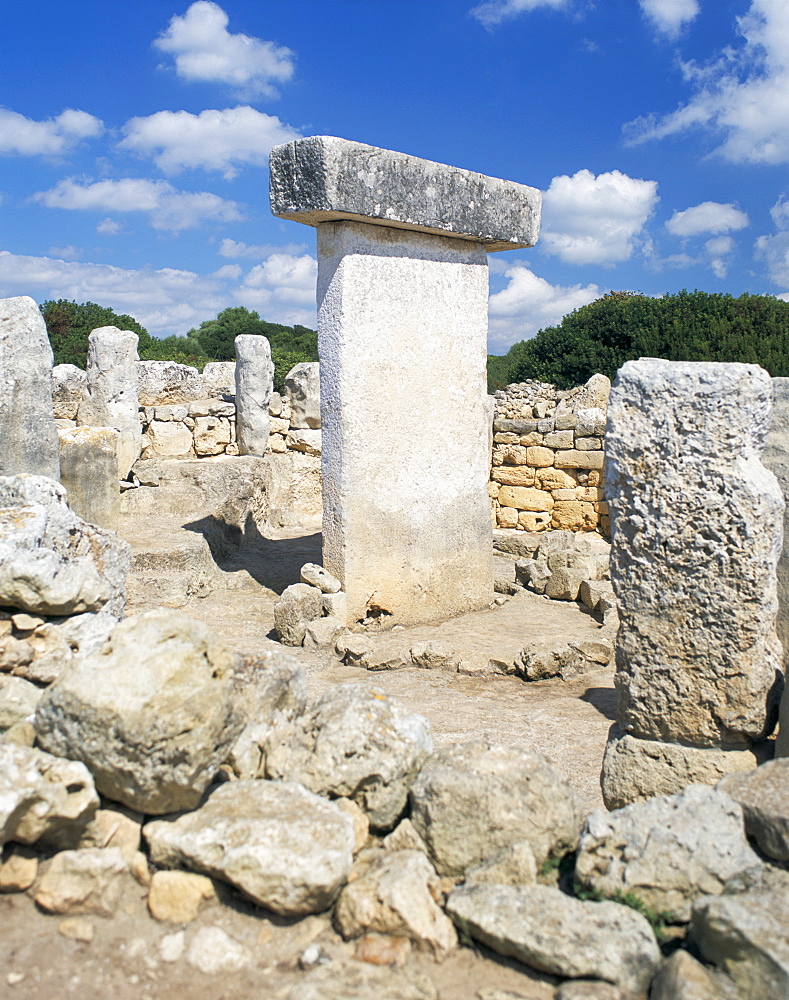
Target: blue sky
134,141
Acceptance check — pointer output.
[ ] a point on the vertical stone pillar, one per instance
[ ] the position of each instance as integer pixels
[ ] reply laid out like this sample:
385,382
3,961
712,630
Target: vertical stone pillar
302,386
696,524
111,398
89,471
254,385
776,458
28,436
402,328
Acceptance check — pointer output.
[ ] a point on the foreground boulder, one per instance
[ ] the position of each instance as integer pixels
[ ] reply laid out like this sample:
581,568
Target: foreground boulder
764,797
85,881
358,743
683,978
286,848
43,798
669,850
51,561
552,932
474,799
152,714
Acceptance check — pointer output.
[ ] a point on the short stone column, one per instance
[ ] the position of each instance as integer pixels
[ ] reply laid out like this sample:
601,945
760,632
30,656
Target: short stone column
28,435
697,523
402,327
89,471
254,385
111,398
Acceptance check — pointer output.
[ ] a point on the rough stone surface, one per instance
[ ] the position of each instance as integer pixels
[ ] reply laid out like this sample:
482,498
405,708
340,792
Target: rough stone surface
19,870
152,714
114,826
764,797
286,848
298,605
161,382
359,743
682,977
669,850
89,471
549,931
43,798
51,561
175,897
219,378
380,505
28,436
746,935
254,385
776,458
90,882
361,981
111,397
322,178
635,770
515,865
474,799
302,388
317,576
56,643
213,951
18,700
68,385
690,500
397,895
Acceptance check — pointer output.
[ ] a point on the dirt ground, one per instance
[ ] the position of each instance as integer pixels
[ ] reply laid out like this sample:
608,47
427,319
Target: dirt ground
568,722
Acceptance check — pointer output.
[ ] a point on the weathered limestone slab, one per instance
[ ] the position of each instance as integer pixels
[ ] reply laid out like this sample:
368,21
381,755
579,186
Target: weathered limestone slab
89,471
302,386
28,437
111,397
696,530
254,385
323,179
776,458
68,385
168,382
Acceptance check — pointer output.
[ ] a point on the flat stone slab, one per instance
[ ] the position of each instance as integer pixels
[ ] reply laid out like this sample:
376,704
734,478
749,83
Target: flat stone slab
324,179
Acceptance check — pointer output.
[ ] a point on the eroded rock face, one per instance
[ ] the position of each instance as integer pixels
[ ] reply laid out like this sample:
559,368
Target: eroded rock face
683,978
668,851
87,881
68,385
474,799
152,714
359,743
552,932
51,561
302,386
764,796
690,500
43,798
286,848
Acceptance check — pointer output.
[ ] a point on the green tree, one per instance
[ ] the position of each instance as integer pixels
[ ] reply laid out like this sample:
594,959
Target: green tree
69,325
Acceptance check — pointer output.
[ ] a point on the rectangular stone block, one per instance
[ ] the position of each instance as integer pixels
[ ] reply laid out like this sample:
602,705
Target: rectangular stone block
393,307
513,475
525,499
696,530
539,458
89,471
515,426
325,179
575,459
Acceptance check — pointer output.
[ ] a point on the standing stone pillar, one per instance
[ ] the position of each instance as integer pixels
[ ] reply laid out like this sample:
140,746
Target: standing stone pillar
89,471
696,523
111,397
28,435
402,328
254,385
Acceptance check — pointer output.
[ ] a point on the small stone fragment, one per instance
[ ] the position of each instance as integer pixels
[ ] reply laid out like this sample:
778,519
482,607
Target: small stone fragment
213,951
77,929
317,576
175,896
171,947
381,949
19,870
89,882
299,605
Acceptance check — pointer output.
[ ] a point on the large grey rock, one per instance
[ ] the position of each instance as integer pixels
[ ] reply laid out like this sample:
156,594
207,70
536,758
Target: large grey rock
111,397
302,387
152,714
323,178
51,561
286,848
68,385
360,981
28,436
681,977
162,382
43,798
298,605
764,797
359,743
254,384
696,525
776,458
473,799
747,936
552,932
635,770
668,851
397,895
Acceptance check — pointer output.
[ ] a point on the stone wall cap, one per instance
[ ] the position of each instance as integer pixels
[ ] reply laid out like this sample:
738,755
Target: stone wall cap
325,179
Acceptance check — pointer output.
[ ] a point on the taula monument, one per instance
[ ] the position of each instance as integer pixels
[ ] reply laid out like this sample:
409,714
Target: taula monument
402,330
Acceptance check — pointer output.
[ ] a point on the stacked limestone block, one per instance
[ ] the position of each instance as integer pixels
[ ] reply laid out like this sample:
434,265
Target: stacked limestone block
696,531
548,457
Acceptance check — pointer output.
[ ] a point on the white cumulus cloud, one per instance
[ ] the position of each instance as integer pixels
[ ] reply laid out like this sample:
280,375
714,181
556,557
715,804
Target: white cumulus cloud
235,249
205,51
284,278
22,136
213,140
774,249
167,207
742,97
493,12
708,217
669,17
590,219
528,303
